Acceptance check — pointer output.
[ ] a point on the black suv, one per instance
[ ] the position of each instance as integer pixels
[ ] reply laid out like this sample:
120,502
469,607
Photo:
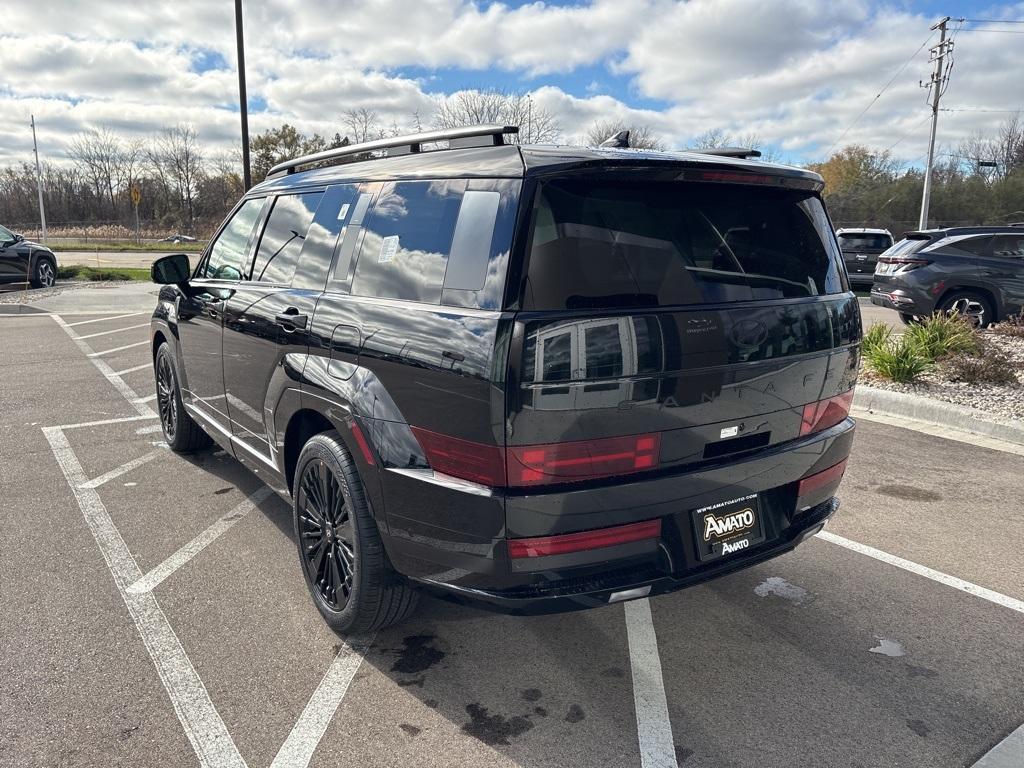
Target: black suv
539,378
975,271
22,261
861,248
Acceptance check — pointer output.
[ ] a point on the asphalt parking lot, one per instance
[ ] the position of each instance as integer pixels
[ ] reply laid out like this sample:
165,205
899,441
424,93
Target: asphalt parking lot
154,614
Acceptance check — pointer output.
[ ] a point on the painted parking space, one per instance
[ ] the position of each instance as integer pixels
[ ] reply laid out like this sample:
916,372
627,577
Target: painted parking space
823,657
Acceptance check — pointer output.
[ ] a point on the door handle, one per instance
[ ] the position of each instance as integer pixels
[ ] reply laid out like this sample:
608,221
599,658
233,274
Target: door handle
290,319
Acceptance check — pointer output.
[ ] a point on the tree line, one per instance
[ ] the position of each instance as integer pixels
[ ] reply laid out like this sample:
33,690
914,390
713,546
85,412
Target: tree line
185,188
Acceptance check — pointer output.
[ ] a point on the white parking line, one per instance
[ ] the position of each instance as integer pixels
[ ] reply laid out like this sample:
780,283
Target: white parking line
146,399
116,330
133,369
929,573
301,743
102,422
1009,753
148,582
150,429
199,718
128,466
123,389
119,349
949,433
100,319
653,727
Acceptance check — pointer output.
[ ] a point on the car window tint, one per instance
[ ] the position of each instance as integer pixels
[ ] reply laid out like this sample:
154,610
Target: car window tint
1008,246
407,240
851,241
976,245
331,219
599,244
227,256
283,237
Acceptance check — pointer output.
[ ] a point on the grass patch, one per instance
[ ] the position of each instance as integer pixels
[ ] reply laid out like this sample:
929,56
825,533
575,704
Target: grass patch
876,337
897,360
125,246
941,335
95,274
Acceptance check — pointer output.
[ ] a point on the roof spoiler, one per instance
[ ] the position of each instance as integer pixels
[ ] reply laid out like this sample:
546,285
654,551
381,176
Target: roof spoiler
739,152
457,138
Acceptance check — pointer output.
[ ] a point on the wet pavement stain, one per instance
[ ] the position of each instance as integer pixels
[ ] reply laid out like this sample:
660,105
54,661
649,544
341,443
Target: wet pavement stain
432,703
412,730
417,656
219,491
779,587
913,671
888,648
531,694
417,681
613,672
682,753
908,493
494,730
919,727
575,714
540,712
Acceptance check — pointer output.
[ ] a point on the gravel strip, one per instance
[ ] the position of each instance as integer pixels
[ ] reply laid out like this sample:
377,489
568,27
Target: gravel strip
1002,401
30,295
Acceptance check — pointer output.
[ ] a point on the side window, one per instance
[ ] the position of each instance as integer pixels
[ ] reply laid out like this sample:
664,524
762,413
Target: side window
227,255
408,238
284,236
1008,246
331,220
976,245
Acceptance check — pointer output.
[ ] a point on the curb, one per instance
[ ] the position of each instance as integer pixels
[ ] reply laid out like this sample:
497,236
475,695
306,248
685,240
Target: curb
937,412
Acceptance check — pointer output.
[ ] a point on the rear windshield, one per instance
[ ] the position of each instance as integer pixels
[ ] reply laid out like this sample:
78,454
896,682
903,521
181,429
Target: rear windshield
650,244
907,246
851,241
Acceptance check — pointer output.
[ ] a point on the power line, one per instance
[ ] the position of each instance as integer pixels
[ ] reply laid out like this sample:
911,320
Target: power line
993,21
899,141
879,94
977,109
997,31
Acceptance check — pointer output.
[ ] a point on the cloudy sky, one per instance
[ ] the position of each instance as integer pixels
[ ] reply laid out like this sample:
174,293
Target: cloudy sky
795,72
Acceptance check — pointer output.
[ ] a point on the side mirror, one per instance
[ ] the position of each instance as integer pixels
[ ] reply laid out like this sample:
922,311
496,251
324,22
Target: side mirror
171,269
18,238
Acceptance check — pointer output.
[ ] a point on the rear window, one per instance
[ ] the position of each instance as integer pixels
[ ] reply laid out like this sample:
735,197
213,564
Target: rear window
907,246
649,244
851,241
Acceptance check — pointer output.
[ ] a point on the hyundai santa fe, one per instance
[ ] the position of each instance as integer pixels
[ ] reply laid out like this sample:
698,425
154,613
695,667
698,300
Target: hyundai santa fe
536,378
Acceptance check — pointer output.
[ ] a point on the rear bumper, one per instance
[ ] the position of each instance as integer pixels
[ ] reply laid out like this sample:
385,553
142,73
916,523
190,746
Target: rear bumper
621,584
903,300
485,572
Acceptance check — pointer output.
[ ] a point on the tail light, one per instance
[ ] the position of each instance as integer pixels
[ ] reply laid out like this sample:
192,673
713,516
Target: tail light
825,413
582,460
820,479
902,264
578,542
534,465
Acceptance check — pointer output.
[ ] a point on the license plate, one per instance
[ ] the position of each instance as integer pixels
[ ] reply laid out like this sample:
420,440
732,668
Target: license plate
727,528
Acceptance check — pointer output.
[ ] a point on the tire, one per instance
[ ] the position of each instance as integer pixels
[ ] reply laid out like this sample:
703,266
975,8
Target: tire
44,273
972,306
340,552
181,432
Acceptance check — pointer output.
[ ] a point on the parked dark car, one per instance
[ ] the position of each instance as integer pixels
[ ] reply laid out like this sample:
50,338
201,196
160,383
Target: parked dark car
975,271
861,248
538,378
23,261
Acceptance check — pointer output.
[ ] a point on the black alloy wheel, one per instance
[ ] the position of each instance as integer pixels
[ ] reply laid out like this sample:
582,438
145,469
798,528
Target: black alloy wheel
181,432
167,404
326,535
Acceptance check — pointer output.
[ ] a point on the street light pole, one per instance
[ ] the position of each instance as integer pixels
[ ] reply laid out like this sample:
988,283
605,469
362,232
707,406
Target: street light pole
39,179
936,83
243,102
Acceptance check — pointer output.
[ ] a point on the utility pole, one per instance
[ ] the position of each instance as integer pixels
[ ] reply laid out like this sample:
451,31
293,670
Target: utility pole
243,102
937,85
39,179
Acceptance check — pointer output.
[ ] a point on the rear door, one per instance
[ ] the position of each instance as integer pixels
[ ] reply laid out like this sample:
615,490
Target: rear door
703,312
1003,268
267,317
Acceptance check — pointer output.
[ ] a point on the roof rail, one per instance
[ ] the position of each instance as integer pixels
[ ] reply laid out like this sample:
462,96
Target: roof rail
466,136
740,152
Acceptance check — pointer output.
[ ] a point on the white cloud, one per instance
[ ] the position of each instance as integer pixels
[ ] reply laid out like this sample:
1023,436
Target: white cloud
795,72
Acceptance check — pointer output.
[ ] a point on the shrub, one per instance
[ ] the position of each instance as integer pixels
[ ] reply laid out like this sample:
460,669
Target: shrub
991,367
1012,326
898,360
941,335
877,336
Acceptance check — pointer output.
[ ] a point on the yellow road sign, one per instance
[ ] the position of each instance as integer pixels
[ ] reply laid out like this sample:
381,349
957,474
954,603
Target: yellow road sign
136,194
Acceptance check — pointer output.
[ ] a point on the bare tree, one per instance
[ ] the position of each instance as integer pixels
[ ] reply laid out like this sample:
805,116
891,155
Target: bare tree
640,136
101,158
363,124
717,137
1004,148
536,124
176,158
